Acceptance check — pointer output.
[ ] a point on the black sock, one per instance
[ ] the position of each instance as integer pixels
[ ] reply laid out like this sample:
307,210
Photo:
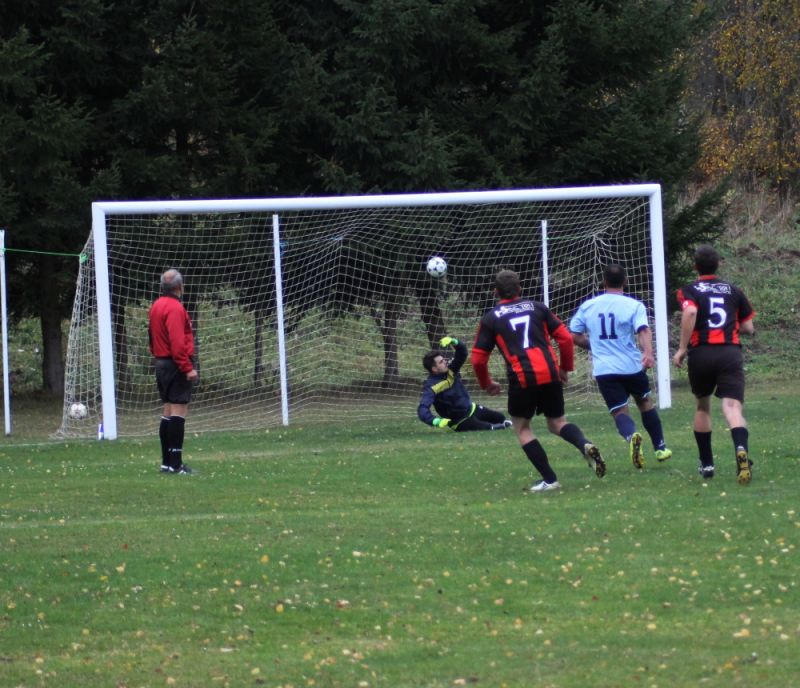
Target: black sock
740,436
175,434
163,435
572,434
703,440
537,456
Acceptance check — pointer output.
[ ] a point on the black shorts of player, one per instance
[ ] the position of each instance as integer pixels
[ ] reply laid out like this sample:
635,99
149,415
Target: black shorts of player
617,388
717,367
546,400
173,387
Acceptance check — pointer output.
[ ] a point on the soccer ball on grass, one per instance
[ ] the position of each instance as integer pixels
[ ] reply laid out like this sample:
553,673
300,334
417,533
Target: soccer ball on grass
437,266
78,411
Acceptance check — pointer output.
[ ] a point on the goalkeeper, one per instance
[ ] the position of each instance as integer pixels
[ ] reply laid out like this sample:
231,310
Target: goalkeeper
445,391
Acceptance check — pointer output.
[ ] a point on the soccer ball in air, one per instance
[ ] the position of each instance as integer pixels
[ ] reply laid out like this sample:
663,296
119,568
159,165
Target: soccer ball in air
78,411
437,267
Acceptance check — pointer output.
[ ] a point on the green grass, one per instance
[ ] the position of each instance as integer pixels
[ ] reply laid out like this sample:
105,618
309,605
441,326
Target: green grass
401,556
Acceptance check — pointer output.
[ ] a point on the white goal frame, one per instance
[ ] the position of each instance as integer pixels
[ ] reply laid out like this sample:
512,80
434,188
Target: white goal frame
102,210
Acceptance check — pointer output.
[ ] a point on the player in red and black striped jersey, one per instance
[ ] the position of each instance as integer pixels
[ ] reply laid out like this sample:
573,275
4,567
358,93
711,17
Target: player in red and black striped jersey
715,312
523,329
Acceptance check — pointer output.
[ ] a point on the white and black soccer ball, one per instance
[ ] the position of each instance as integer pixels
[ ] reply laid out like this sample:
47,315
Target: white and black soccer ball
78,411
437,267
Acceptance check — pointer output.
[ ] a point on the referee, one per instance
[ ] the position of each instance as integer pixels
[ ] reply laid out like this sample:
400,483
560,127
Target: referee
172,345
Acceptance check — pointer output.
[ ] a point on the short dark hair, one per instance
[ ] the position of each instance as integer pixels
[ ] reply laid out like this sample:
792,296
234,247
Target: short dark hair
429,360
507,284
706,259
614,275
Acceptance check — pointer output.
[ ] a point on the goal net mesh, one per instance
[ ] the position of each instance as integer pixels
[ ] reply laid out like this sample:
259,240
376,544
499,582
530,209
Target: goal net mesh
359,308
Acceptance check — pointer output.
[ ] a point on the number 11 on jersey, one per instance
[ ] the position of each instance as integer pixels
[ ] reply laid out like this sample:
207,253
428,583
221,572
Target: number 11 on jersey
610,332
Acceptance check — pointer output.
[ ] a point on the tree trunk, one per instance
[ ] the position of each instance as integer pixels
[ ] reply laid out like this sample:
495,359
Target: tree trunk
391,366
432,315
50,320
258,363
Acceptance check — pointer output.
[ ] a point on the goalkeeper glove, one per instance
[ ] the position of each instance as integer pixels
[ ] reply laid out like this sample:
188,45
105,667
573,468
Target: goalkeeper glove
441,422
447,341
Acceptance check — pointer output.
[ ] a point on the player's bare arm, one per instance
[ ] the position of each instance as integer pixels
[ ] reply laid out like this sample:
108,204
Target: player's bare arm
645,340
688,320
580,339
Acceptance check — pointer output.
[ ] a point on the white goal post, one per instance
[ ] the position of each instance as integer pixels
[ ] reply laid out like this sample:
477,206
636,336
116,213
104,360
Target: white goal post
320,309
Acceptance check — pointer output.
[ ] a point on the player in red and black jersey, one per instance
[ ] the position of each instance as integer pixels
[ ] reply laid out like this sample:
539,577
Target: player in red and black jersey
523,329
715,312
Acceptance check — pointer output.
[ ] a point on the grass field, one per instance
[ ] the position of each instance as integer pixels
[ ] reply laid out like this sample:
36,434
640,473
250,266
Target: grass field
402,556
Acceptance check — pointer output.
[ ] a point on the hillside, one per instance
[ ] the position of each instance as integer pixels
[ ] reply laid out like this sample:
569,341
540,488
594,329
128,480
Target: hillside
761,248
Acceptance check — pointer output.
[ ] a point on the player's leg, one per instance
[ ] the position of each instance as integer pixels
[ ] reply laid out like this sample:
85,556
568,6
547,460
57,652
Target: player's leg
489,415
177,426
731,389
614,390
163,436
522,408
165,371
551,404
703,380
702,436
476,423
180,394
639,386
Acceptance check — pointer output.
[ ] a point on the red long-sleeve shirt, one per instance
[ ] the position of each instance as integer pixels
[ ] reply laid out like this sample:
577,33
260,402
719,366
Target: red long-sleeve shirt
170,329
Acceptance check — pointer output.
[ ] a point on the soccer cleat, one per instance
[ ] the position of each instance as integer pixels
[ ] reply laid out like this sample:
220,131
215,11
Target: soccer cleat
744,466
635,448
166,469
184,469
706,471
593,458
507,423
663,454
544,486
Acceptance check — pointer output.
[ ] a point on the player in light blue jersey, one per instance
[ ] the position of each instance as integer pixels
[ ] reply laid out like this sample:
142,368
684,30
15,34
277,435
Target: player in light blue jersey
614,327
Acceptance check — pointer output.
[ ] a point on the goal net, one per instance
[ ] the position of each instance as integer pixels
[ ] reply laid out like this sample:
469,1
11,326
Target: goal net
313,310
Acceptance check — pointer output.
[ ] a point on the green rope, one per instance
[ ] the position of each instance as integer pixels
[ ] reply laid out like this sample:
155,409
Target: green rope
82,257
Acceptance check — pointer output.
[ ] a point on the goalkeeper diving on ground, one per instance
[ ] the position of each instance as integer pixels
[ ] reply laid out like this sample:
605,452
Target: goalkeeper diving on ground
445,391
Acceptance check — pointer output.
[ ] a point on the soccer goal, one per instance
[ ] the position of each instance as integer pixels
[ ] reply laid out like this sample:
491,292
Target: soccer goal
311,310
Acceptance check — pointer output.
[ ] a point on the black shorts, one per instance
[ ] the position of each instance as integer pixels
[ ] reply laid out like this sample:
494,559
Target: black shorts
546,400
617,388
717,367
173,387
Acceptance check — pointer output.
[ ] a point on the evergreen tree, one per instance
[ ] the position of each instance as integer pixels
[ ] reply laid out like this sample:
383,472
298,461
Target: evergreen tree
137,99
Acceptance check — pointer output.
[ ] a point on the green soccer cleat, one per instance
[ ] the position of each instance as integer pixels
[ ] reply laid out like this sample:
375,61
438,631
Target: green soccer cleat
663,454
635,449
